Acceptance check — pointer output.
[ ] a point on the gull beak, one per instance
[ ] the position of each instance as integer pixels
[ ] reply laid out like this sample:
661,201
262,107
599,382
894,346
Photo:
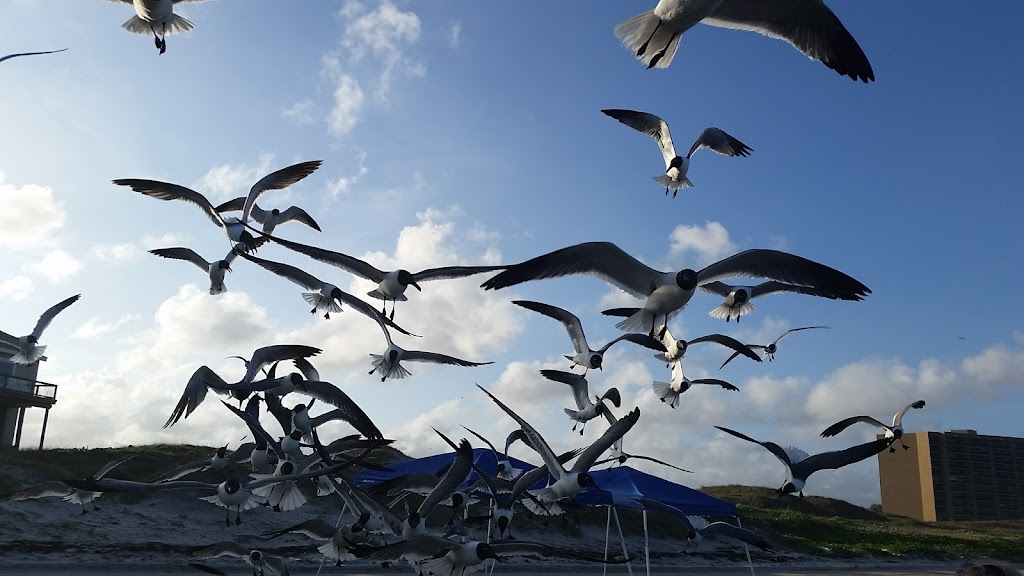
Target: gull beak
416,286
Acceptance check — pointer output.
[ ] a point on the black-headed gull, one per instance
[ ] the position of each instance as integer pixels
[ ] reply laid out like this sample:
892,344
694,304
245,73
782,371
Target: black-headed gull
895,431
585,356
29,349
233,228
667,292
586,409
68,491
272,218
799,465
737,298
327,297
770,349
696,527
670,391
153,14
215,270
389,364
265,564
391,285
568,483
338,538
503,469
676,166
807,25
2,58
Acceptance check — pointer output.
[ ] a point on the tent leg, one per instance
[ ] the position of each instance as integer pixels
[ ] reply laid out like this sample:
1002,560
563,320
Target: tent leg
746,548
336,524
625,554
607,531
647,546
491,505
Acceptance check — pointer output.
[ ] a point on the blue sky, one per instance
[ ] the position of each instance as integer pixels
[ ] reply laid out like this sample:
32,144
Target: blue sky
456,132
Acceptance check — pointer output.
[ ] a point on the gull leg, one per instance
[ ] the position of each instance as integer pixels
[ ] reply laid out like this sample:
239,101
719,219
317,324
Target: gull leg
643,47
661,53
238,515
674,192
227,517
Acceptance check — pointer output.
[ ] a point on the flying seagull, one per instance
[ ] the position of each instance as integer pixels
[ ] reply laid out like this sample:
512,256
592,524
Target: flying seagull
737,298
668,292
233,228
799,465
503,468
389,364
676,166
337,539
676,349
153,14
807,25
273,218
215,270
391,285
586,409
585,356
2,58
895,431
670,391
29,349
568,483
266,564
695,534
770,349
327,297
68,491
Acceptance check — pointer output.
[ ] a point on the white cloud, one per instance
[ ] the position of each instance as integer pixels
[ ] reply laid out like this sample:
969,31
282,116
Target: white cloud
341,185
16,288
699,246
167,240
227,180
93,328
348,105
116,252
384,33
28,215
56,266
454,33
301,112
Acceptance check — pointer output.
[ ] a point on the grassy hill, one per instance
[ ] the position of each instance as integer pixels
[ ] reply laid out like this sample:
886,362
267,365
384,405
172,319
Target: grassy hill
814,525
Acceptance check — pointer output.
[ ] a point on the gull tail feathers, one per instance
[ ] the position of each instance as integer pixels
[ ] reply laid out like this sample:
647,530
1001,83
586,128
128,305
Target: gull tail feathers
32,357
641,322
724,312
321,303
664,391
547,509
671,184
397,372
331,551
571,414
291,497
646,40
175,25
218,289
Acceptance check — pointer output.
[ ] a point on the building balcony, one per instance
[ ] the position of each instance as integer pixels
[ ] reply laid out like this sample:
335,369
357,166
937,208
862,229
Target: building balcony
23,393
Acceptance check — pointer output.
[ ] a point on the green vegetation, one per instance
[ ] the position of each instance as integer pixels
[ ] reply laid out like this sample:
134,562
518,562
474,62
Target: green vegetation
813,525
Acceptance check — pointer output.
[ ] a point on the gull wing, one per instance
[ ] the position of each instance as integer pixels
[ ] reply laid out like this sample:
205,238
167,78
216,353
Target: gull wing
277,353
307,369
773,287
737,533
114,485
807,25
48,316
840,458
186,254
30,54
435,358
449,272
613,433
568,319
580,389
352,413
414,549
603,260
315,528
168,191
451,481
645,340
784,267
772,447
715,382
649,124
294,213
520,547
416,483
485,441
232,205
182,470
345,262
676,514
365,309
728,342
656,461
537,441
42,490
898,418
257,430
847,422
797,330
751,347
280,413
194,394
716,139
277,180
296,275
221,549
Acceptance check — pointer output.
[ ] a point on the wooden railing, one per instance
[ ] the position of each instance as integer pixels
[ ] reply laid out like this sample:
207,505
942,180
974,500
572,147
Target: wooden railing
33,387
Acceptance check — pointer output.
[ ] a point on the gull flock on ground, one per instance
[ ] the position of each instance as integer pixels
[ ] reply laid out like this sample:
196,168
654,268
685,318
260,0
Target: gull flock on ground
381,530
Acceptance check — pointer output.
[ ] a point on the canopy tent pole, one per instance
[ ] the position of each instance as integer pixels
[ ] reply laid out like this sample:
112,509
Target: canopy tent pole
607,531
625,554
745,547
647,545
336,524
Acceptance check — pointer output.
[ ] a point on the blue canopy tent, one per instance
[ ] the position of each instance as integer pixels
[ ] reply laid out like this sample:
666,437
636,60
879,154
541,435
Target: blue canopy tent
617,488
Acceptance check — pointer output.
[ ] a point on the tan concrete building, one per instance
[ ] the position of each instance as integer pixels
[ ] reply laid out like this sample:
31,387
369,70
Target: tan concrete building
955,475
